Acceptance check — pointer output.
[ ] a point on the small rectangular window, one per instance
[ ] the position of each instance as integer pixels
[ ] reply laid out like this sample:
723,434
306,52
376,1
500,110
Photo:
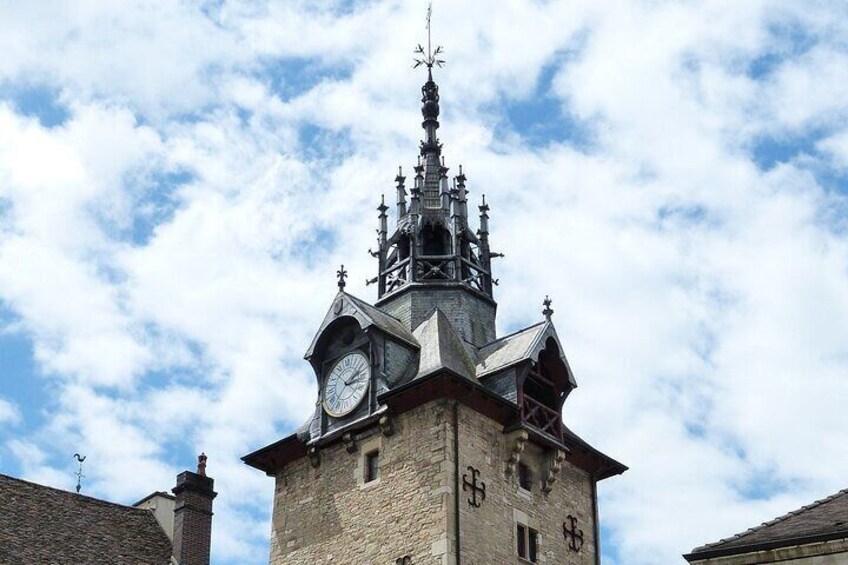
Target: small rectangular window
371,466
525,477
527,542
521,536
533,539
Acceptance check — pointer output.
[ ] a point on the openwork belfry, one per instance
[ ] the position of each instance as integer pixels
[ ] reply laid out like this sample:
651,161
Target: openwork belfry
432,439
432,244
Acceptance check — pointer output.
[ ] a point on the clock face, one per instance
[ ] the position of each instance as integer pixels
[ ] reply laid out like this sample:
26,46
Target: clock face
346,384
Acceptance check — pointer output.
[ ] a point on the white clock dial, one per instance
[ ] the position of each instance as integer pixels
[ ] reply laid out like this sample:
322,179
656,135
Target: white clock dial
346,384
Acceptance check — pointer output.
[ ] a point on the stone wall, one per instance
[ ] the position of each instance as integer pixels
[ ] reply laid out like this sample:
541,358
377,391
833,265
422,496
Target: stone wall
488,533
329,515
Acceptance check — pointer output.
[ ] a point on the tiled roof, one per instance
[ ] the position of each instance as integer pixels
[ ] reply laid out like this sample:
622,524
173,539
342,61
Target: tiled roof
43,525
825,519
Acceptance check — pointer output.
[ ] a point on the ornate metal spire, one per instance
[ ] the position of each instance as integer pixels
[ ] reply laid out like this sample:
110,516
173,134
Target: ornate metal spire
433,243
430,90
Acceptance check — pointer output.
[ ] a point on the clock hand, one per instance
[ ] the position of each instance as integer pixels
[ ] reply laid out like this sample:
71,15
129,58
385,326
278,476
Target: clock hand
352,377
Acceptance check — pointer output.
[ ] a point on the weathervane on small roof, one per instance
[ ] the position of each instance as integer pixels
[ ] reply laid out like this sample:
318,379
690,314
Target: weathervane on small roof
430,57
80,476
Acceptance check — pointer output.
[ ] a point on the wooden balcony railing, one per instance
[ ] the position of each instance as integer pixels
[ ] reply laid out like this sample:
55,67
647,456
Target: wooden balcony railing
541,417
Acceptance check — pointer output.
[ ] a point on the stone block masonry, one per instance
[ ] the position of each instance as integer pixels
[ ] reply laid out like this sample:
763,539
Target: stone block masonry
329,514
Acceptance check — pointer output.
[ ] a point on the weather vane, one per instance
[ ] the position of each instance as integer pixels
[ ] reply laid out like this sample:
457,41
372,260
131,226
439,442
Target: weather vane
79,474
429,58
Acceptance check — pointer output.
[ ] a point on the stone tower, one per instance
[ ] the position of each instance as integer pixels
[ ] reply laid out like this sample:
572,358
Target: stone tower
434,441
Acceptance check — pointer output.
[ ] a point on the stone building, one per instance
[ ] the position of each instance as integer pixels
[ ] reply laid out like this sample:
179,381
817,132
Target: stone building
434,440
816,534
40,524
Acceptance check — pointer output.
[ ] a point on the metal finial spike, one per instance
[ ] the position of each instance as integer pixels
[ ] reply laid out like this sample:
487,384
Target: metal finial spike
429,57
460,168
548,311
342,274
400,171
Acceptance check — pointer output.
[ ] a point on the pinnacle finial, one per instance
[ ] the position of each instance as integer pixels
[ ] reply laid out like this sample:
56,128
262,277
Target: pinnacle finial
201,464
342,274
548,311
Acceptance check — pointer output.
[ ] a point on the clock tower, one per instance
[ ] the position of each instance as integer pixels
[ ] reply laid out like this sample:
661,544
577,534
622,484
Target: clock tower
433,440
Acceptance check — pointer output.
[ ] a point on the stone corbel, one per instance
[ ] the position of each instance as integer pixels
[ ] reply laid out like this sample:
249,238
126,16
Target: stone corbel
314,456
520,440
554,466
350,442
386,425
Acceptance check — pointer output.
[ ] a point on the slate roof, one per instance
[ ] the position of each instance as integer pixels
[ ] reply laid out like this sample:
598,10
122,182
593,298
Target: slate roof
441,348
43,525
387,323
366,315
521,345
508,350
822,520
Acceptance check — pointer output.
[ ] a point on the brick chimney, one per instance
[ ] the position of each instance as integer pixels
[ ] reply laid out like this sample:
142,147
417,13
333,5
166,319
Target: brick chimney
193,515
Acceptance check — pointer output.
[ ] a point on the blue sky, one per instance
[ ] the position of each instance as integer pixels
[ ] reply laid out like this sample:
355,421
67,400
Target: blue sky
178,185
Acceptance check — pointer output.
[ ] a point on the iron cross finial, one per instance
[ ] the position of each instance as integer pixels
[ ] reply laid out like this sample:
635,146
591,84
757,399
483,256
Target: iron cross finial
548,311
342,274
80,476
430,57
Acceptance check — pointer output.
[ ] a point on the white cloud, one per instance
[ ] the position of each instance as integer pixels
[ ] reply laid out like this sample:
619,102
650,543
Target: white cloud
701,298
9,413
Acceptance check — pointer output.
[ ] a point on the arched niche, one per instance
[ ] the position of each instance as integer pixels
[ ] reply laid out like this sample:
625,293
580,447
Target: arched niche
435,240
341,335
403,247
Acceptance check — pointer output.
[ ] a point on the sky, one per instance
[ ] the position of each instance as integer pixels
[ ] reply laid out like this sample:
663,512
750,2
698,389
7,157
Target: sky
179,182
